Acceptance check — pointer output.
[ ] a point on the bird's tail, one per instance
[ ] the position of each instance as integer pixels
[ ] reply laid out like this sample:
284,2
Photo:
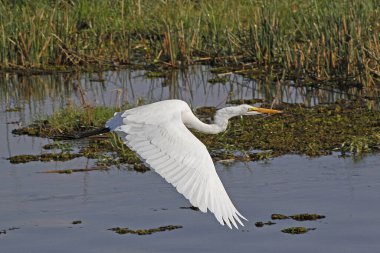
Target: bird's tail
82,134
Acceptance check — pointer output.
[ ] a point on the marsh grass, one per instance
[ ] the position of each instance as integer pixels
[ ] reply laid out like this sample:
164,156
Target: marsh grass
71,120
75,119
308,41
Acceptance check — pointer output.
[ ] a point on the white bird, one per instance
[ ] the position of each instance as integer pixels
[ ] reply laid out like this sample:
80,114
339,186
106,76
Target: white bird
159,134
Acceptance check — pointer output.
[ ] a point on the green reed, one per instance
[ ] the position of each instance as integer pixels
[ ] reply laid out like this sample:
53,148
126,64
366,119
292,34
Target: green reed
311,41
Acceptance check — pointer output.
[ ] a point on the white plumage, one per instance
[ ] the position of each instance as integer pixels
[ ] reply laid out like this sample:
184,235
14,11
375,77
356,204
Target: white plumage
158,134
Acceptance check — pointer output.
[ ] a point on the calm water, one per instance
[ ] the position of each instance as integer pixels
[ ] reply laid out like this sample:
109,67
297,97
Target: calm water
42,206
43,94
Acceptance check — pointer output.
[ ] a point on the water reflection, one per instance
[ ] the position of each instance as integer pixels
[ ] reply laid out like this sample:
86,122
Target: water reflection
43,94
44,205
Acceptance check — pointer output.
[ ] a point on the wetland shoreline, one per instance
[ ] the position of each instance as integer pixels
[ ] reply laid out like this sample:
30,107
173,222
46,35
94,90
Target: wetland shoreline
318,42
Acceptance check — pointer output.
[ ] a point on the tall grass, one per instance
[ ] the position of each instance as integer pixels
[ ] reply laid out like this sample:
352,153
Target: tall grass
317,40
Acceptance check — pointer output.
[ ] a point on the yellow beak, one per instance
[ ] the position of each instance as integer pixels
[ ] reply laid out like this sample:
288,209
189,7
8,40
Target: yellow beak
264,110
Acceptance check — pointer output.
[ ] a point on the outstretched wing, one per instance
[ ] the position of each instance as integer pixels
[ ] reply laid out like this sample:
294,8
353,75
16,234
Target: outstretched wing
171,150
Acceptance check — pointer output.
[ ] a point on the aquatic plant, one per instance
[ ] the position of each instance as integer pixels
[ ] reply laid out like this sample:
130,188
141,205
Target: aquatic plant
296,230
74,118
44,157
122,231
318,41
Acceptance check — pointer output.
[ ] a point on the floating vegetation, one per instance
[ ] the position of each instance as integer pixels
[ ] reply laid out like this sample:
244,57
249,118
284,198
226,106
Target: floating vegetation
122,231
297,217
155,74
45,157
32,130
51,146
69,120
23,158
261,224
221,80
345,126
260,156
306,217
277,216
206,112
140,167
70,171
194,208
13,122
4,231
315,131
58,145
359,145
296,230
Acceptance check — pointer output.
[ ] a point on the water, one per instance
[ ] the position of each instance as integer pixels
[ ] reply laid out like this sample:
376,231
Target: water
42,206
43,94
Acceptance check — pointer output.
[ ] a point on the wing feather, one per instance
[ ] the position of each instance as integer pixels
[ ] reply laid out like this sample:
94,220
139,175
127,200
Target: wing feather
170,149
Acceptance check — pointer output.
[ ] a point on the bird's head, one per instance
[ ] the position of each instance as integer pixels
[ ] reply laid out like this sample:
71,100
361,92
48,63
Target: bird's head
222,115
251,110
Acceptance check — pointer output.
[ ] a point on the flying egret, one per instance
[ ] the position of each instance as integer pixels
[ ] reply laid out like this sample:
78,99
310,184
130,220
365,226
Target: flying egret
159,134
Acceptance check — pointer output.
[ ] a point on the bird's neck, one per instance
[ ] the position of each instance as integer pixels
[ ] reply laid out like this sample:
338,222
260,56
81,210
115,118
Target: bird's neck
219,125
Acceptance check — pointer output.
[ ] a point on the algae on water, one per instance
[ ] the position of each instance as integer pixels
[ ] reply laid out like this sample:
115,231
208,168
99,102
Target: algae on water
296,230
306,217
122,231
44,157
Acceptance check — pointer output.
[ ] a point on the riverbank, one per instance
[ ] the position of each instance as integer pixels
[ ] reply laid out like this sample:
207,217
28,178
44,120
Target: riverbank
308,42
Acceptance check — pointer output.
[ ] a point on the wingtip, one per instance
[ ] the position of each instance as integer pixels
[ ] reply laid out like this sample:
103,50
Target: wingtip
241,216
227,221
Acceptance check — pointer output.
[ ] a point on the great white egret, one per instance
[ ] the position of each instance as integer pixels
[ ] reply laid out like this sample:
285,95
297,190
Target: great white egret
158,133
